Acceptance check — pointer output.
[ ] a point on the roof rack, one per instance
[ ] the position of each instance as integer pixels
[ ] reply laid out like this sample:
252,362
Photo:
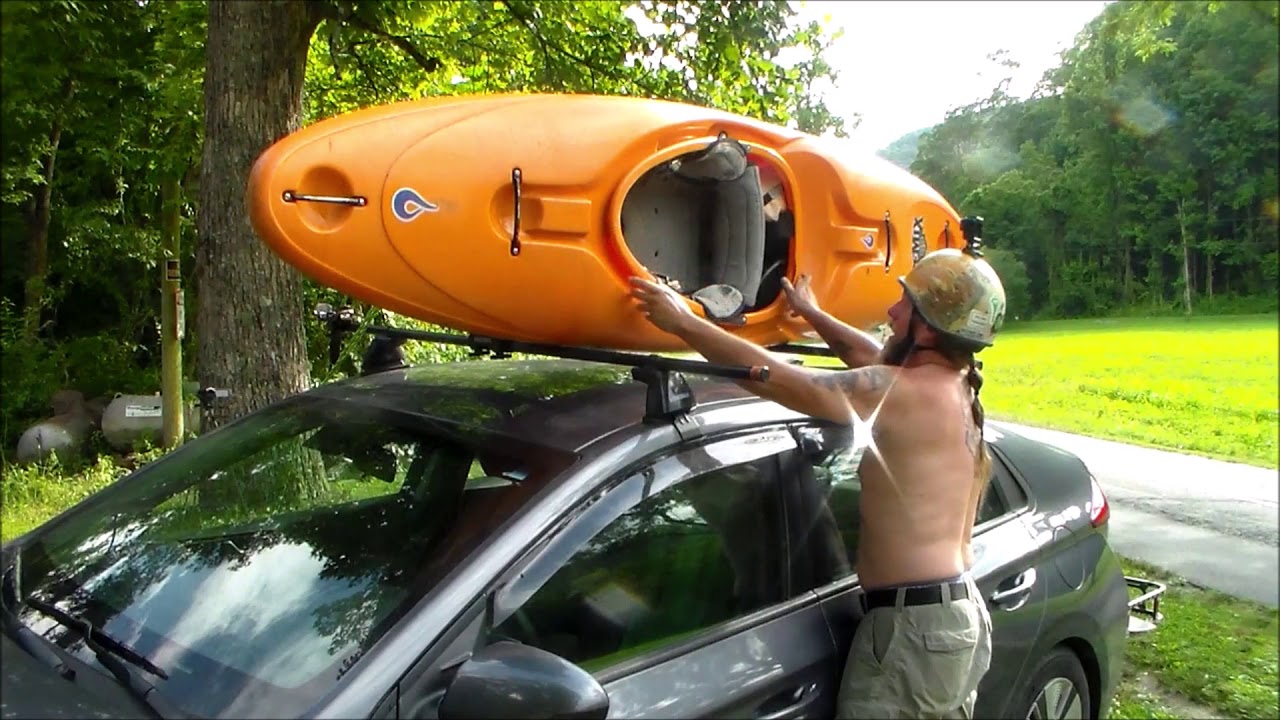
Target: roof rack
796,349
668,393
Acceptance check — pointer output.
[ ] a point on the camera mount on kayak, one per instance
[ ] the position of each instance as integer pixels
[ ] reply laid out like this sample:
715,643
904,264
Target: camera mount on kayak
668,393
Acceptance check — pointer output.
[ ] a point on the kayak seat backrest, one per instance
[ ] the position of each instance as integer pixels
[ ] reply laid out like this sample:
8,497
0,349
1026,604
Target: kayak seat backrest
699,220
736,235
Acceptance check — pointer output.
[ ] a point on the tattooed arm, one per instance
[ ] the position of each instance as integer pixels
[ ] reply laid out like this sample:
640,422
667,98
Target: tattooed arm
855,347
833,395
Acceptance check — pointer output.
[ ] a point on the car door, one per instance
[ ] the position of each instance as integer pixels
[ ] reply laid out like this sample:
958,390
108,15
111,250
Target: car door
823,518
1006,566
671,588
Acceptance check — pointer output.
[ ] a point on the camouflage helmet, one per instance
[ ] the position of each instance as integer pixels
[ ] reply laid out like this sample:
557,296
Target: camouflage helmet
958,295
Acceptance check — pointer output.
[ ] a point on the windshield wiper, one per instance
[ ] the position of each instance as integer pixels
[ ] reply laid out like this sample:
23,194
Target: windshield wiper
109,643
22,635
94,638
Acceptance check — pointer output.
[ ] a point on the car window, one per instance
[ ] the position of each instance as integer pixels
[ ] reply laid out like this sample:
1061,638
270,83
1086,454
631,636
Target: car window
1013,497
824,490
992,504
683,560
823,518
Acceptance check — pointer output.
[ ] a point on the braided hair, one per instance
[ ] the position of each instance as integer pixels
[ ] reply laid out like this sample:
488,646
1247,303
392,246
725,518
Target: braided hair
960,354
982,460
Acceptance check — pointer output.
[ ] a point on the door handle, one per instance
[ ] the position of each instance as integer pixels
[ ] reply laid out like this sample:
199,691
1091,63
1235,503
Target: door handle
788,702
1026,581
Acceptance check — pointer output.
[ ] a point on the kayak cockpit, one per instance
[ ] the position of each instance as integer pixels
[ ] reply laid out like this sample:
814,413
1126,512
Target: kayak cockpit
714,225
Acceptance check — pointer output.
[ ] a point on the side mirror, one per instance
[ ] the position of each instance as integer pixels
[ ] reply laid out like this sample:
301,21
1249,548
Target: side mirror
510,680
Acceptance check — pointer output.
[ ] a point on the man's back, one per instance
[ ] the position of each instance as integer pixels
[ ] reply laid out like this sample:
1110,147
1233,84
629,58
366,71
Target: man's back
918,490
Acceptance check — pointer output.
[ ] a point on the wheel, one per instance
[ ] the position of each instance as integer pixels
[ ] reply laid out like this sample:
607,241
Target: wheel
1058,689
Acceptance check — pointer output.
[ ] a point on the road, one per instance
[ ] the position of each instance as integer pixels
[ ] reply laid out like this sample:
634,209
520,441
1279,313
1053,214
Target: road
1214,523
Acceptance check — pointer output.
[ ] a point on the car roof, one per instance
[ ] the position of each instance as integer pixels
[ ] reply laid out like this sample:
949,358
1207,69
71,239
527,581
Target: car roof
558,403
562,404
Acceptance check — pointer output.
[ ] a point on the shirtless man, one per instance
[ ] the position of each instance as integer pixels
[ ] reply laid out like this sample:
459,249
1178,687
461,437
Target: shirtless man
925,640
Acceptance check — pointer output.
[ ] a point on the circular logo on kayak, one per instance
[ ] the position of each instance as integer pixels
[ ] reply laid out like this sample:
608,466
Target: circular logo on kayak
407,204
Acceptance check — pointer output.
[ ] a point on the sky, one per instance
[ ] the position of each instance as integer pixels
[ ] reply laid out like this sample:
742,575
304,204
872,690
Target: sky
904,63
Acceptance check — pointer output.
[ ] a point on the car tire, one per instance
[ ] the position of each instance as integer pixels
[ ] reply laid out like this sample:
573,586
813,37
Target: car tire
1059,689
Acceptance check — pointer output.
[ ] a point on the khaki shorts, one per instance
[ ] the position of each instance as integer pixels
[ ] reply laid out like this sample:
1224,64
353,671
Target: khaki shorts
922,661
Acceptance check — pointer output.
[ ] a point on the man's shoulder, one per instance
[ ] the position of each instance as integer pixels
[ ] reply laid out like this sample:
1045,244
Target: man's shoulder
929,384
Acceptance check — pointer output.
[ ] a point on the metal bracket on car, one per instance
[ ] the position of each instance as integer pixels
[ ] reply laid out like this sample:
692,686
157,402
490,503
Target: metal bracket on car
210,396
687,427
1144,610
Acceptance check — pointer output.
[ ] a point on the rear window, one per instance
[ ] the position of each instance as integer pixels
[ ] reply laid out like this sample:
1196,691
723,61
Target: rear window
255,565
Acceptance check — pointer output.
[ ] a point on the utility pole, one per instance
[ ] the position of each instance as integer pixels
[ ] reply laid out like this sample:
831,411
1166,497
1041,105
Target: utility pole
172,321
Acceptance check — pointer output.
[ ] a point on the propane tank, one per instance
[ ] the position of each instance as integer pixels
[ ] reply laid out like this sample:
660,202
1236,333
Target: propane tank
64,433
130,419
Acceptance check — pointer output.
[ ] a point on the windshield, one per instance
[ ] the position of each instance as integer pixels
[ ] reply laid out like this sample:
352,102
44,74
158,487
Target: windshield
255,565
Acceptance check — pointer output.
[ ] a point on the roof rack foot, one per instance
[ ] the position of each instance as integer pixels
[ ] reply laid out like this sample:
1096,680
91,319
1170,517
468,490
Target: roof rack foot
667,394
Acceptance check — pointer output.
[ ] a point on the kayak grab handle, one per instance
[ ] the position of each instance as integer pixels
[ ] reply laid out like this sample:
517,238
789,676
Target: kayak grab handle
515,205
290,196
888,242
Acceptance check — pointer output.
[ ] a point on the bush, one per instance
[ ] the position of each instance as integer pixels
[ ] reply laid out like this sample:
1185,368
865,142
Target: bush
30,372
32,494
32,369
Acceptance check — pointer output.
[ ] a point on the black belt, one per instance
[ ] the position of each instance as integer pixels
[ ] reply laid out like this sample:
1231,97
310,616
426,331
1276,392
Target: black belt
926,595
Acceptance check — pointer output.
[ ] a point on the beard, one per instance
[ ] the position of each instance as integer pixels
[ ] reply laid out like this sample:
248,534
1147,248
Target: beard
897,349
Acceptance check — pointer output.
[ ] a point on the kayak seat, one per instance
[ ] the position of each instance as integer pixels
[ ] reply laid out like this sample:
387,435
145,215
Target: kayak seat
699,221
736,235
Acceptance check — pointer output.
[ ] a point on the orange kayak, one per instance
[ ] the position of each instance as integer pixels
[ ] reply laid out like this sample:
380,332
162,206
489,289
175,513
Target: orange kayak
522,216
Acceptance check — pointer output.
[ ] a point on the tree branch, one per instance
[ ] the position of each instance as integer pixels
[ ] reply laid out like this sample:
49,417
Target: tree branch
333,56
347,15
368,74
429,64
590,66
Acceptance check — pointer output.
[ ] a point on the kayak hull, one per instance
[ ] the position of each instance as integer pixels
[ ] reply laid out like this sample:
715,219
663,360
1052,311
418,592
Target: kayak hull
524,216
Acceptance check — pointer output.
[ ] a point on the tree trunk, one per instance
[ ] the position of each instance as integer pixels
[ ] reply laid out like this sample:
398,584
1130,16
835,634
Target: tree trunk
1128,270
249,319
1208,274
39,213
1186,259
171,316
1210,226
1110,160
1251,273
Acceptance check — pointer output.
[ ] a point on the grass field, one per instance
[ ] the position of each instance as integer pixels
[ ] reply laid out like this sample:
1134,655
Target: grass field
1203,385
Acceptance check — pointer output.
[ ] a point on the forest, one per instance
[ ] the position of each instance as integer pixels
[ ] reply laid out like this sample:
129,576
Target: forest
1139,179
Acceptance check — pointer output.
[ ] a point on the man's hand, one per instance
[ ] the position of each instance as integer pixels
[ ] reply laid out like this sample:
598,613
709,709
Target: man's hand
664,307
800,297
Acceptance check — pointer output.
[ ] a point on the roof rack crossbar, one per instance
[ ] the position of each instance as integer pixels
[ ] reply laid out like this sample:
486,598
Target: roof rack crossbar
668,394
486,345
796,349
